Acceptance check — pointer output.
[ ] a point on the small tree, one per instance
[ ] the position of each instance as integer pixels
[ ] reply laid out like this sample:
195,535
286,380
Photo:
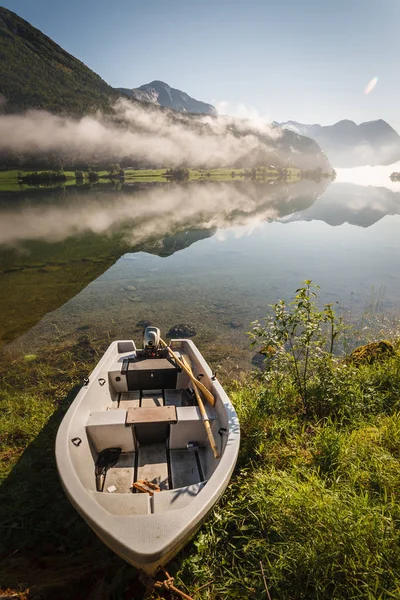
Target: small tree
296,337
177,174
93,176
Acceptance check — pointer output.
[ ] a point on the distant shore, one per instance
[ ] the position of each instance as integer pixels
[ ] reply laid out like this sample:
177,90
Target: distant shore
17,179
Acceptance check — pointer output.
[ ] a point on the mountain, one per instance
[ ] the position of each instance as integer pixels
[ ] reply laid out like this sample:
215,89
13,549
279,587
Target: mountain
35,72
160,93
349,203
349,145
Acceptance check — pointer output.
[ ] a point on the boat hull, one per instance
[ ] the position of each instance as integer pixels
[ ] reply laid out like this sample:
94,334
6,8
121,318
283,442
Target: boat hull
146,531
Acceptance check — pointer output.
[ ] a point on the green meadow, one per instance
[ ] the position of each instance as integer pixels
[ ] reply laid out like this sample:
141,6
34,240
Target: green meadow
9,179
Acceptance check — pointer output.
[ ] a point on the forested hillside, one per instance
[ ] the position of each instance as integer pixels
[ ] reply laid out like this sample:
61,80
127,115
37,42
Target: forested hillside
37,73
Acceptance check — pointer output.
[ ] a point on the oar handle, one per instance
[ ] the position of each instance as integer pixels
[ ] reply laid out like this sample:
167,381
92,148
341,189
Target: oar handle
207,394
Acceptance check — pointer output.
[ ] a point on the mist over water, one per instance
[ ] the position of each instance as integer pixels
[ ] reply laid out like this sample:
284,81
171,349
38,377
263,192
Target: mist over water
138,132
378,176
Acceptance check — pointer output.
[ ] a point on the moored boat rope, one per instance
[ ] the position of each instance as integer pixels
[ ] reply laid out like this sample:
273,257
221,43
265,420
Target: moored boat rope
168,585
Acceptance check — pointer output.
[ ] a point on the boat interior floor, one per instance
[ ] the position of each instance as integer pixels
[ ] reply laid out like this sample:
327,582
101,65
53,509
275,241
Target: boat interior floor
150,398
168,469
152,459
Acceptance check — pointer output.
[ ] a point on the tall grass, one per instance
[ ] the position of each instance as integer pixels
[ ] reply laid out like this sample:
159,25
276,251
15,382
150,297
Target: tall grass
316,498
317,501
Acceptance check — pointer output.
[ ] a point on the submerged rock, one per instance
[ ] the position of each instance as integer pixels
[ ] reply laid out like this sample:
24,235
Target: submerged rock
143,324
370,353
258,361
234,324
84,348
183,330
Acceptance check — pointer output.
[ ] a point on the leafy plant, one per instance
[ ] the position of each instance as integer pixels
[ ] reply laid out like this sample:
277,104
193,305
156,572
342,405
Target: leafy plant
296,338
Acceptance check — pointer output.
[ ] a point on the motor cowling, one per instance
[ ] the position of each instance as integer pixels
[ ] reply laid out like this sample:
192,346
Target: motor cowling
151,338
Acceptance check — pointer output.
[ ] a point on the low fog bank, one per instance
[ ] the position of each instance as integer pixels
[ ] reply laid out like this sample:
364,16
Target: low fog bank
363,154
138,133
378,176
154,213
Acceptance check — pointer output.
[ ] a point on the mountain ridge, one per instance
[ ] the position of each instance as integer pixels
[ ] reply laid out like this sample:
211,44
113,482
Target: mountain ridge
162,94
350,145
27,56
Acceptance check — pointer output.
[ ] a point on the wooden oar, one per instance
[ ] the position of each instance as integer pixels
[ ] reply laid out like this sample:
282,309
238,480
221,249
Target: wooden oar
204,414
207,394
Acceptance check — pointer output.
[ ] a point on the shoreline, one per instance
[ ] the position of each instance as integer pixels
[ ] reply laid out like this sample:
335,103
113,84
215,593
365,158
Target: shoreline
314,495
10,179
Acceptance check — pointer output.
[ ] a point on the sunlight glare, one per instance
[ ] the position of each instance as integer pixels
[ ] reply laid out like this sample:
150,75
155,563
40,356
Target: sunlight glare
371,85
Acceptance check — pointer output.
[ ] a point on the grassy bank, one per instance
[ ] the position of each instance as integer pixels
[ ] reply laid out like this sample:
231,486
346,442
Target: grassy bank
314,497
9,179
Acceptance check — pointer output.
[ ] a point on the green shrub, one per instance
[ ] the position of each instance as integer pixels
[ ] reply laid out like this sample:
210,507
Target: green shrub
296,338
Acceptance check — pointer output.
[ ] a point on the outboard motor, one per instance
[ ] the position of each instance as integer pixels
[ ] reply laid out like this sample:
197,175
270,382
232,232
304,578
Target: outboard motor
151,339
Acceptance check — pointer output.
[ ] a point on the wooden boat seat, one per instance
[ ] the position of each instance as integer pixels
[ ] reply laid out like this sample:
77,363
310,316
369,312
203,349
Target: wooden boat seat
151,424
153,414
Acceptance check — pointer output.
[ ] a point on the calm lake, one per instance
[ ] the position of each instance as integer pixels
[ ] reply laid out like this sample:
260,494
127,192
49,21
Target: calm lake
81,261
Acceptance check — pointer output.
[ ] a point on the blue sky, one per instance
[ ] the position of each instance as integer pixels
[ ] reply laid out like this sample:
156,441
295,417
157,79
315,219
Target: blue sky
305,60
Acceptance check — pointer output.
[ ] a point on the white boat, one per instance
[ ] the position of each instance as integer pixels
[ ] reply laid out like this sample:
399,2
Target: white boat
134,453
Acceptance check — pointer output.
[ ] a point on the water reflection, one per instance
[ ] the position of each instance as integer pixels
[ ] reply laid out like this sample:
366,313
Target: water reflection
112,259
145,214
354,204
53,244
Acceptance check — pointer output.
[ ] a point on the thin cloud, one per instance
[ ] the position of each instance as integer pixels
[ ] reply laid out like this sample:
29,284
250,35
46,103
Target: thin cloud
246,117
